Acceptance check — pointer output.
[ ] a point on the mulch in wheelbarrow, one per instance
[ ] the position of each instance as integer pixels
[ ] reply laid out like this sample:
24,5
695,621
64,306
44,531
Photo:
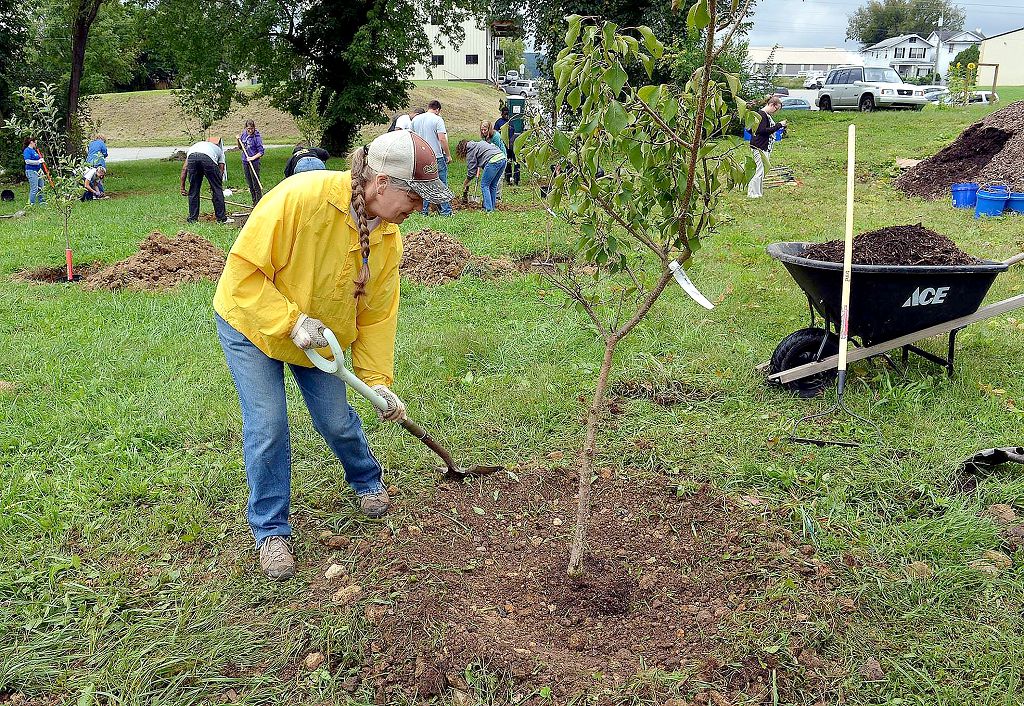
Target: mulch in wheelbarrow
895,245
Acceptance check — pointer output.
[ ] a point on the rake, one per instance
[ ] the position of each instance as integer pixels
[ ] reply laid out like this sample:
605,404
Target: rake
844,340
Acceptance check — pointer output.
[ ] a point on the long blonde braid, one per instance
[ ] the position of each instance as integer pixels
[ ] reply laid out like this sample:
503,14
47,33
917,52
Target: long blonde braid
361,174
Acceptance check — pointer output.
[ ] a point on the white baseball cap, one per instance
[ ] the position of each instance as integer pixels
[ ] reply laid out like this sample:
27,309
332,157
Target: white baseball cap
405,155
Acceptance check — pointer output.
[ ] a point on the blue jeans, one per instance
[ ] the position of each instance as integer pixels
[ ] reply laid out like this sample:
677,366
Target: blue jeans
442,174
309,164
266,446
489,182
35,185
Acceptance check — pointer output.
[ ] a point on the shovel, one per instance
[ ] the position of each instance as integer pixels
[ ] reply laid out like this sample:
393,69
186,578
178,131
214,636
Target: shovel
338,368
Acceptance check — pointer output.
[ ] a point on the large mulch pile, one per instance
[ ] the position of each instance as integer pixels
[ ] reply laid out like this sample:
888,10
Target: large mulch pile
476,575
895,245
162,262
990,150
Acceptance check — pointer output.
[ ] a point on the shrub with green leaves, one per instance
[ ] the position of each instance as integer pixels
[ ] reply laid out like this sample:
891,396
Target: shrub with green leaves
640,171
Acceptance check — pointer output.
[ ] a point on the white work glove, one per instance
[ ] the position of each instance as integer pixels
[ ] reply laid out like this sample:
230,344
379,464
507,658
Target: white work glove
396,408
309,333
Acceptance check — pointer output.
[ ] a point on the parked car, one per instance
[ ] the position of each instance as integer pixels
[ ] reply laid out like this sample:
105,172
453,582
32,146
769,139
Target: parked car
868,88
526,89
757,87
815,82
984,97
795,104
935,93
977,97
511,76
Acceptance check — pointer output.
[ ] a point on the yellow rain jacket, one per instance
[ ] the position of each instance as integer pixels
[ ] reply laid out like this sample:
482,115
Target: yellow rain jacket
299,254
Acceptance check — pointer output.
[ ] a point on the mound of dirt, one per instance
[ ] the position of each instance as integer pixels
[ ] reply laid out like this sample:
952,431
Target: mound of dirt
162,263
432,257
476,575
895,245
990,150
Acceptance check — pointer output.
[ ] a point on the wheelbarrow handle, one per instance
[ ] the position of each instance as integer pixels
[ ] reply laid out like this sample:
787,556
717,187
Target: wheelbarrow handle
338,367
1014,260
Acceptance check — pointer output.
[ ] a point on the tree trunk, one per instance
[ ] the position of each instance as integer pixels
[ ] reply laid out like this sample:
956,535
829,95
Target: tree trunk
83,14
587,459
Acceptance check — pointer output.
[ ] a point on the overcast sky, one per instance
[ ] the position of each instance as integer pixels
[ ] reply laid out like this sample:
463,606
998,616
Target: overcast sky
822,23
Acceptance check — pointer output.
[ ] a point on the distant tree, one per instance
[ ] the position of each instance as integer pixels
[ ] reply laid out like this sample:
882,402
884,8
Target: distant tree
13,39
359,52
970,55
513,51
81,15
882,19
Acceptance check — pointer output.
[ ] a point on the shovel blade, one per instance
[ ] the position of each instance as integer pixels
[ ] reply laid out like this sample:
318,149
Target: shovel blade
467,472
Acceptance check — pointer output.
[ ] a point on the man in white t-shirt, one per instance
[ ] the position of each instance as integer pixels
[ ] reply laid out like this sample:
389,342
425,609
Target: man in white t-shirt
430,126
205,159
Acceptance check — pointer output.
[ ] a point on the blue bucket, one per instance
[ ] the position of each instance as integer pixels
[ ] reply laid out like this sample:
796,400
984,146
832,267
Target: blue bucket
965,195
1016,202
991,201
779,134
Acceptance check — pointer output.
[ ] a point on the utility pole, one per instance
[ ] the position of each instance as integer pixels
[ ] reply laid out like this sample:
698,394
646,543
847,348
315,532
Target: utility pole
938,45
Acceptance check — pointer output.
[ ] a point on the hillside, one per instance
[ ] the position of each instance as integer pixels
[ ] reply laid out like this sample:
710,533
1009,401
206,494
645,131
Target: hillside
151,118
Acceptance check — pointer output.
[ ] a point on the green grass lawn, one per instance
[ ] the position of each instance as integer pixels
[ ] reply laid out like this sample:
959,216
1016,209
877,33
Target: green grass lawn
127,575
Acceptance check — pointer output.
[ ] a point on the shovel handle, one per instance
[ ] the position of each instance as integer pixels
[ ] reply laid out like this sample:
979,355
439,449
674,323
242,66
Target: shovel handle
338,367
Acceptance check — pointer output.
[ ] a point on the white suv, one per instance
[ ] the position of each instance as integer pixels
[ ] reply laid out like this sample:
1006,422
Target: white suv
867,88
814,81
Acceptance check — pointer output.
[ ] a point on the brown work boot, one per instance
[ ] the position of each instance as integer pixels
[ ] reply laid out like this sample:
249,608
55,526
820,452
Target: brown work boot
277,559
375,505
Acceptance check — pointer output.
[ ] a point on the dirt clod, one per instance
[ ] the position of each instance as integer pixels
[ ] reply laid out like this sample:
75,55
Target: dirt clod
1001,513
313,660
895,245
872,670
990,150
161,263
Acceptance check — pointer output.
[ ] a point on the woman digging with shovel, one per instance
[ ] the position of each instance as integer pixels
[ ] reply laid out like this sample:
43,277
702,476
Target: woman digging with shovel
320,251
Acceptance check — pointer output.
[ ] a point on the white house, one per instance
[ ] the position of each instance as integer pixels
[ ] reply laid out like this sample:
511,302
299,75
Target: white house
800,61
910,54
1004,49
948,43
477,58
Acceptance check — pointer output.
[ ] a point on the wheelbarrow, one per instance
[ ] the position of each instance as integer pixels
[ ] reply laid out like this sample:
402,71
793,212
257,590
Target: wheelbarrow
891,307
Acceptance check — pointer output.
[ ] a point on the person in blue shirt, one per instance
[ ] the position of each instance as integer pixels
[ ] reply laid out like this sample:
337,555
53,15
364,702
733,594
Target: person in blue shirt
96,155
33,171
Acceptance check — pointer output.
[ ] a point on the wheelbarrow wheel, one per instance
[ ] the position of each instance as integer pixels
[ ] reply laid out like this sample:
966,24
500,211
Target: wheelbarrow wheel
802,347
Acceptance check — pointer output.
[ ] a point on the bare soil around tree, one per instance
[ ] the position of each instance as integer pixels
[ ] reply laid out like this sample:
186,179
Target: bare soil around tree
476,575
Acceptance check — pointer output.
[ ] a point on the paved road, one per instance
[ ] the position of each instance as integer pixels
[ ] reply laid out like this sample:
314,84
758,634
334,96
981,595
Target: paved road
131,154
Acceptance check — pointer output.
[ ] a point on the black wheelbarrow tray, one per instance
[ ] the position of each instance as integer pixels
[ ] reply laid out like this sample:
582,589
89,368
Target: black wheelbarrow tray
890,307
